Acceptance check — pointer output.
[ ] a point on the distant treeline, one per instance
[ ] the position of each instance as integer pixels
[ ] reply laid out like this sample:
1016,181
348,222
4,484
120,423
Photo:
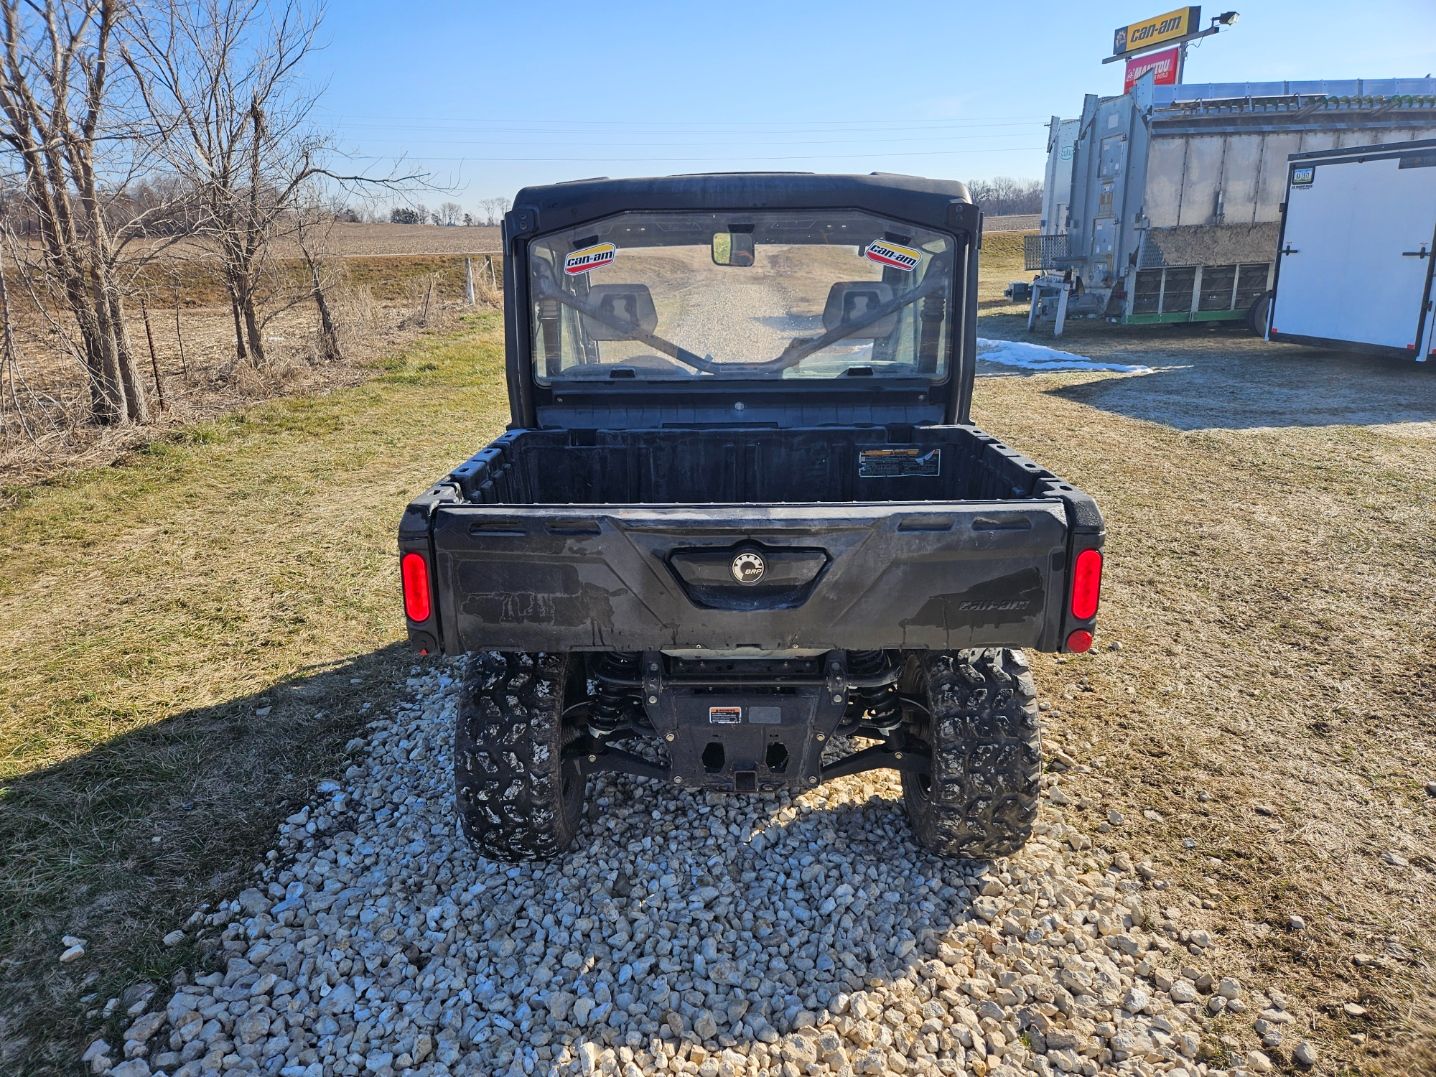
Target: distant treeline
1004,195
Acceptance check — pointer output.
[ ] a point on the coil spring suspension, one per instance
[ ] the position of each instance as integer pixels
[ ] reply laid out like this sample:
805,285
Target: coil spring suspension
615,694
881,701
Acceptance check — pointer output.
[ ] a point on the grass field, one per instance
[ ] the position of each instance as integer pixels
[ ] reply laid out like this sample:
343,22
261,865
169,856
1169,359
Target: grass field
191,636
1268,729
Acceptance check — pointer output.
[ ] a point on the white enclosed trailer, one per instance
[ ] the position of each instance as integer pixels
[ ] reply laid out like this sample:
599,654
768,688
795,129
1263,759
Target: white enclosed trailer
1355,260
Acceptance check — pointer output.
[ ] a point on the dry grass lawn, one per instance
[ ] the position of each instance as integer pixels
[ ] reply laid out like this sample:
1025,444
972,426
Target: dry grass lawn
187,640
381,304
1268,728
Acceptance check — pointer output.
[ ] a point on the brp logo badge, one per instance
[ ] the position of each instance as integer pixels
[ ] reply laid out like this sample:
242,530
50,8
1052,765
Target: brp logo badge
748,568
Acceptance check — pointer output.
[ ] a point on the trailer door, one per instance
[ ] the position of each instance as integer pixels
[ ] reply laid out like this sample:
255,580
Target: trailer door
1354,264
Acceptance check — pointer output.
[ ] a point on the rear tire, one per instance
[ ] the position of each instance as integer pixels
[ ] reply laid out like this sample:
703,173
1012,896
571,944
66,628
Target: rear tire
979,799
517,798
1257,313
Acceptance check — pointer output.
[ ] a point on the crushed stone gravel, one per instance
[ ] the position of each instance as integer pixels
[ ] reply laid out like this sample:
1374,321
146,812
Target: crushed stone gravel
689,934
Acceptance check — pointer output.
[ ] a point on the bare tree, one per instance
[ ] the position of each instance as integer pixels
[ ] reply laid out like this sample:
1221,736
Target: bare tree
225,96
450,213
311,233
1004,194
9,351
494,209
57,93
224,80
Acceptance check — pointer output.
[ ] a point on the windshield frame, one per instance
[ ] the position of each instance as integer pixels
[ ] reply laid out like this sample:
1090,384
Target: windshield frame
941,204
946,272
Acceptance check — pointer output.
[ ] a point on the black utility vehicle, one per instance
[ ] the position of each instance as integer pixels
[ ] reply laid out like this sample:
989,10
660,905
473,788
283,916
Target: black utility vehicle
740,534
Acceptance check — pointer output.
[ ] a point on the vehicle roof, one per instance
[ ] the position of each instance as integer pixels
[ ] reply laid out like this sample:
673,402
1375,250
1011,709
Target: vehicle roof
557,205
1374,150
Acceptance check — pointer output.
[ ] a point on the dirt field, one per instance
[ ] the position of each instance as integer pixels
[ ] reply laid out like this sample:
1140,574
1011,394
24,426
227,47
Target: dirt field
346,240
1256,730
372,240
369,240
1012,222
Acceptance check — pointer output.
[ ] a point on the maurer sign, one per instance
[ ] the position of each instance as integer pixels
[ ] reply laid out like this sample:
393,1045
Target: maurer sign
1167,64
1140,36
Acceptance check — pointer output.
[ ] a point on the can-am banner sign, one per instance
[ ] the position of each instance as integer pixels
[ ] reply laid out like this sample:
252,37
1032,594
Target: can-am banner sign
1139,36
1167,64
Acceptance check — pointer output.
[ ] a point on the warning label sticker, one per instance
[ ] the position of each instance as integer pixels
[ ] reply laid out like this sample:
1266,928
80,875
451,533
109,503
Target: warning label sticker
589,258
892,254
899,463
725,715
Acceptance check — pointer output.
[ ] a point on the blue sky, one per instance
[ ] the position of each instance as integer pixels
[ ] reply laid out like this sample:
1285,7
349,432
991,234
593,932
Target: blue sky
489,97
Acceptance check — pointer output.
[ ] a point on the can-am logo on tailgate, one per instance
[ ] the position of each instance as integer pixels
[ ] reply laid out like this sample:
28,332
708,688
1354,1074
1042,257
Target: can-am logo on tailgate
892,254
581,261
748,568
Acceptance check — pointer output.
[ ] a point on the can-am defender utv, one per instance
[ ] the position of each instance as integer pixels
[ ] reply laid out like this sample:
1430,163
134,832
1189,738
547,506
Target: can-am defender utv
740,513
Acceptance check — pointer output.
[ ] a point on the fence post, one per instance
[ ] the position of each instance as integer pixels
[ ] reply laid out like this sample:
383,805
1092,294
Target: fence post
179,338
469,281
154,362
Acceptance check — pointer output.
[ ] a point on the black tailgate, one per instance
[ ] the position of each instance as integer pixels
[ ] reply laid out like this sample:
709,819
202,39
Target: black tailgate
936,575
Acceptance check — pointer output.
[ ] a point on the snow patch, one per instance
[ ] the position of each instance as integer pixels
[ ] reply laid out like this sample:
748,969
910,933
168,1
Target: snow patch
1020,353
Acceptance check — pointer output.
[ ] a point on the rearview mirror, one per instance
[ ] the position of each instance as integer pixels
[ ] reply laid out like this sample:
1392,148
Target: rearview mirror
733,248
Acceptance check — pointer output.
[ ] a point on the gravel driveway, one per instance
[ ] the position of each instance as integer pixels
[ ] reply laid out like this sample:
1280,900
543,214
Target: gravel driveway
689,935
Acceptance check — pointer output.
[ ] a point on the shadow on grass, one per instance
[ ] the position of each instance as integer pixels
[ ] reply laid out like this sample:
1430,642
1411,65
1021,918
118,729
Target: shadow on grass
1221,377
1285,387
118,845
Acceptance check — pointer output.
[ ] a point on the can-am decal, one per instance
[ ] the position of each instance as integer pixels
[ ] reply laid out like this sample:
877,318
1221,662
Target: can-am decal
892,254
581,261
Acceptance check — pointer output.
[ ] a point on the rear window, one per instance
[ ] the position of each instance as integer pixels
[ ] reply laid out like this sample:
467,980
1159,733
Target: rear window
812,294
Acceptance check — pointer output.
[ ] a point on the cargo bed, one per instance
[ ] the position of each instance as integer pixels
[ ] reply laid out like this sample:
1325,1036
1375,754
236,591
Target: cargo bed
749,466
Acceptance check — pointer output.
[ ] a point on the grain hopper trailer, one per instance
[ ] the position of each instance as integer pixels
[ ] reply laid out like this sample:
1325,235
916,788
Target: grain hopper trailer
1173,201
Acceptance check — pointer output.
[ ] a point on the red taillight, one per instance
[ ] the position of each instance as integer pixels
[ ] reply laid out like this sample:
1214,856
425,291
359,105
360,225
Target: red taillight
416,586
1086,585
1080,641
